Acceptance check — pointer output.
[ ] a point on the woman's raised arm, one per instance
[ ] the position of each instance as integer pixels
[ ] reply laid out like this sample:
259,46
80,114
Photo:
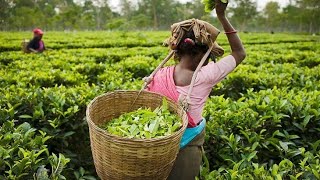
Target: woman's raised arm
238,51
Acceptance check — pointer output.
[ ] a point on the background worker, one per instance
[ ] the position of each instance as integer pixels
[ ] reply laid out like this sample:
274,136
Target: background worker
36,44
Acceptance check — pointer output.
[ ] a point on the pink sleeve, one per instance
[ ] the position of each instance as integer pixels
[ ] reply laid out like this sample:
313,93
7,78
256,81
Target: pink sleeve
215,72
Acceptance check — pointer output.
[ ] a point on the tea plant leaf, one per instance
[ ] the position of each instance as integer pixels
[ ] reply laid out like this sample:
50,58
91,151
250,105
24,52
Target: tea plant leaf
278,177
209,5
25,116
144,123
284,145
275,169
316,173
252,155
42,173
306,120
67,134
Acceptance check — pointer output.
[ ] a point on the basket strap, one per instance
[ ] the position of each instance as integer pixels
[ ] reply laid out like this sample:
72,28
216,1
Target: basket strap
148,79
185,101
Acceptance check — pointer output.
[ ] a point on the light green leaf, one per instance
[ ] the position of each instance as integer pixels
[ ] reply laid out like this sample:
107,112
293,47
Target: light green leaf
25,116
284,145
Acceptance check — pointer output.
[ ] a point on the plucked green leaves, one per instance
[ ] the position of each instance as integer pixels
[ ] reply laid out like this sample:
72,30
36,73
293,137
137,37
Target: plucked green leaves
209,5
144,123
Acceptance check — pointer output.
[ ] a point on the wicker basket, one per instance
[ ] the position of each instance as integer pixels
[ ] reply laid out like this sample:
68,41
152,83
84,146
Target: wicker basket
123,158
24,45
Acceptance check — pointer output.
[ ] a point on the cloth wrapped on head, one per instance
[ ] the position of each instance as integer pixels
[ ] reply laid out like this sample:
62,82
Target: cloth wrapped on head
204,32
38,31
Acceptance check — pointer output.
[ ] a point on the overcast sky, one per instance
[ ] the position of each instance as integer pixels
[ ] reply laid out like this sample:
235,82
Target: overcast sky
261,3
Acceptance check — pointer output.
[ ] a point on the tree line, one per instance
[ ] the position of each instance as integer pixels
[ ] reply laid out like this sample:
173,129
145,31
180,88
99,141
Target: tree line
297,16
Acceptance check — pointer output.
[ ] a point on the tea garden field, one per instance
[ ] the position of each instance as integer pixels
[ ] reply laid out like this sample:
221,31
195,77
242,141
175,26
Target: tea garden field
263,119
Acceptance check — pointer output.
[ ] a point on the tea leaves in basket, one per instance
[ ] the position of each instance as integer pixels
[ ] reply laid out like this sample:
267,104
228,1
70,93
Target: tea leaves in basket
145,123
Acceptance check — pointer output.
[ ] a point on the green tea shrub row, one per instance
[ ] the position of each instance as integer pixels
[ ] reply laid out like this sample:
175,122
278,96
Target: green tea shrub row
75,40
255,131
267,76
53,68
57,111
25,155
309,168
49,71
262,129
302,54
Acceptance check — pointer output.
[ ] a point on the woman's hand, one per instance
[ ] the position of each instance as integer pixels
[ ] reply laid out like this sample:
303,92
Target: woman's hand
220,8
33,50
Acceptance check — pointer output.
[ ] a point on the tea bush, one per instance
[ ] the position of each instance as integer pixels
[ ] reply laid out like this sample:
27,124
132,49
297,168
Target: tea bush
266,128
24,153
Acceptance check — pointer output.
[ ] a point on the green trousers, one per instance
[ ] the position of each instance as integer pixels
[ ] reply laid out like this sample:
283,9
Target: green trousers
188,161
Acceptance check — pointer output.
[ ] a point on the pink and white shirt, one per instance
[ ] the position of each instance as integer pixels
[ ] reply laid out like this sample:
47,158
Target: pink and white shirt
208,76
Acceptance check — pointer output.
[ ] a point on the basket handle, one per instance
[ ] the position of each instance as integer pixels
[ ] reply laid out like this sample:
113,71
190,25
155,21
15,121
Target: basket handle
149,78
185,101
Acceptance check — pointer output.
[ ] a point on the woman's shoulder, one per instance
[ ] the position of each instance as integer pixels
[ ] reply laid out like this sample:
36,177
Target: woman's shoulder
216,71
166,69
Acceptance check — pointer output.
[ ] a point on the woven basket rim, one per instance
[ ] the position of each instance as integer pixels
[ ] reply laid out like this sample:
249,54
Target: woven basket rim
115,137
